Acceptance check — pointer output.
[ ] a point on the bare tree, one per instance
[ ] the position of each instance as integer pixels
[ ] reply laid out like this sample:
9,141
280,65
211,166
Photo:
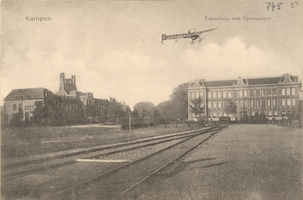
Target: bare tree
197,106
231,107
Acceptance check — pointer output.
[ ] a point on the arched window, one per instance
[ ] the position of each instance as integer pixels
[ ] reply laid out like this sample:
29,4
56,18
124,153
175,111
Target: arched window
269,114
219,114
276,114
215,115
253,113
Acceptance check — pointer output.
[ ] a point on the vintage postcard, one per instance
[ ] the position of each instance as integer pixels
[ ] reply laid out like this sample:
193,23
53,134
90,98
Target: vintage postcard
151,99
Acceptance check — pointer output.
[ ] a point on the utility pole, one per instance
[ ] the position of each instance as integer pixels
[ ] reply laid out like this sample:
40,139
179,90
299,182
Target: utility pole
129,122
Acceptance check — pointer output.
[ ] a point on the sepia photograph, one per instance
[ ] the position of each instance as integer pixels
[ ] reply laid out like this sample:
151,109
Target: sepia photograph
151,100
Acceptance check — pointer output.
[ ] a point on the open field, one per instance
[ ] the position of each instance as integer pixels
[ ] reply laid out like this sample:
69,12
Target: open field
253,162
41,140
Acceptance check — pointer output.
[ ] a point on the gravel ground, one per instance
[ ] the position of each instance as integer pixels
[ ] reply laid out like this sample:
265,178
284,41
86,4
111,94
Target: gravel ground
250,162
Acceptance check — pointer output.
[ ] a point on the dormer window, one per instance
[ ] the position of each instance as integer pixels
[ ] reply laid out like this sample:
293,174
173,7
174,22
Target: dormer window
241,81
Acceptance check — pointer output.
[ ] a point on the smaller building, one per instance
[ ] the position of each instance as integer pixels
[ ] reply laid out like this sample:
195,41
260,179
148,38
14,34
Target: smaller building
26,100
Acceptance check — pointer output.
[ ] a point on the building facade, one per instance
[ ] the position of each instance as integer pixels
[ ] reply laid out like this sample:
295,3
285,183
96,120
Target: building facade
277,97
26,100
67,106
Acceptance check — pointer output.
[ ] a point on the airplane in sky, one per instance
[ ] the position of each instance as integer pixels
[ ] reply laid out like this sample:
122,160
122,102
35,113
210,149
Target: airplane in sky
192,34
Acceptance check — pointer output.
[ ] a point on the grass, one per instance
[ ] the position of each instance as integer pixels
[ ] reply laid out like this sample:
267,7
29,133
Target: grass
40,140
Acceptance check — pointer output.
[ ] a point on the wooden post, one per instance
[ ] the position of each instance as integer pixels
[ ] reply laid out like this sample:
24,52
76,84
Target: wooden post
130,122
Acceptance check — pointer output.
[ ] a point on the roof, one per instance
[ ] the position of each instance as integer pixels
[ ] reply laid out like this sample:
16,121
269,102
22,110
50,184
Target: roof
101,101
286,78
28,94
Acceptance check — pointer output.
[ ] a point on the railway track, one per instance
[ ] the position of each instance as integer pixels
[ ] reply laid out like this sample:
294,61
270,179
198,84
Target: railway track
28,166
114,183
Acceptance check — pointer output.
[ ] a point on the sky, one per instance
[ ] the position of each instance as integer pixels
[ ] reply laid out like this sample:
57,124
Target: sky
114,47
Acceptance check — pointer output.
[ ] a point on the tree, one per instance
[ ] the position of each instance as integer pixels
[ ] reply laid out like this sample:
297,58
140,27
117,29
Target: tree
179,99
156,117
40,113
197,106
16,121
231,107
144,109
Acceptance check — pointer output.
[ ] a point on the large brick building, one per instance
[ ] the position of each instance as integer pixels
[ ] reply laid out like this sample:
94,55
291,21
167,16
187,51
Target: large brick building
67,106
275,96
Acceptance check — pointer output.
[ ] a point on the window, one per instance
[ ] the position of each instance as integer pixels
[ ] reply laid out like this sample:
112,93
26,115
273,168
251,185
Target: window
219,95
19,106
269,92
252,93
274,102
214,95
219,104
274,91
283,102
209,104
246,103
14,107
257,103
283,114
283,91
229,94
237,103
258,93
225,114
224,94
276,114
193,95
215,115
241,93
288,91
241,104
293,91
219,114
293,102
236,94
288,102
208,94
245,93
263,92
269,114
263,102
201,94
268,103
214,104
37,103
251,103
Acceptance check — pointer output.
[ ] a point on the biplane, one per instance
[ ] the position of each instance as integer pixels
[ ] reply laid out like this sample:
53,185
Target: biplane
192,34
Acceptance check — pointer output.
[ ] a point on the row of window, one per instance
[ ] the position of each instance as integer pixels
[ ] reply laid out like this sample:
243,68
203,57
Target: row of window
268,114
253,103
30,107
244,93
100,108
68,107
